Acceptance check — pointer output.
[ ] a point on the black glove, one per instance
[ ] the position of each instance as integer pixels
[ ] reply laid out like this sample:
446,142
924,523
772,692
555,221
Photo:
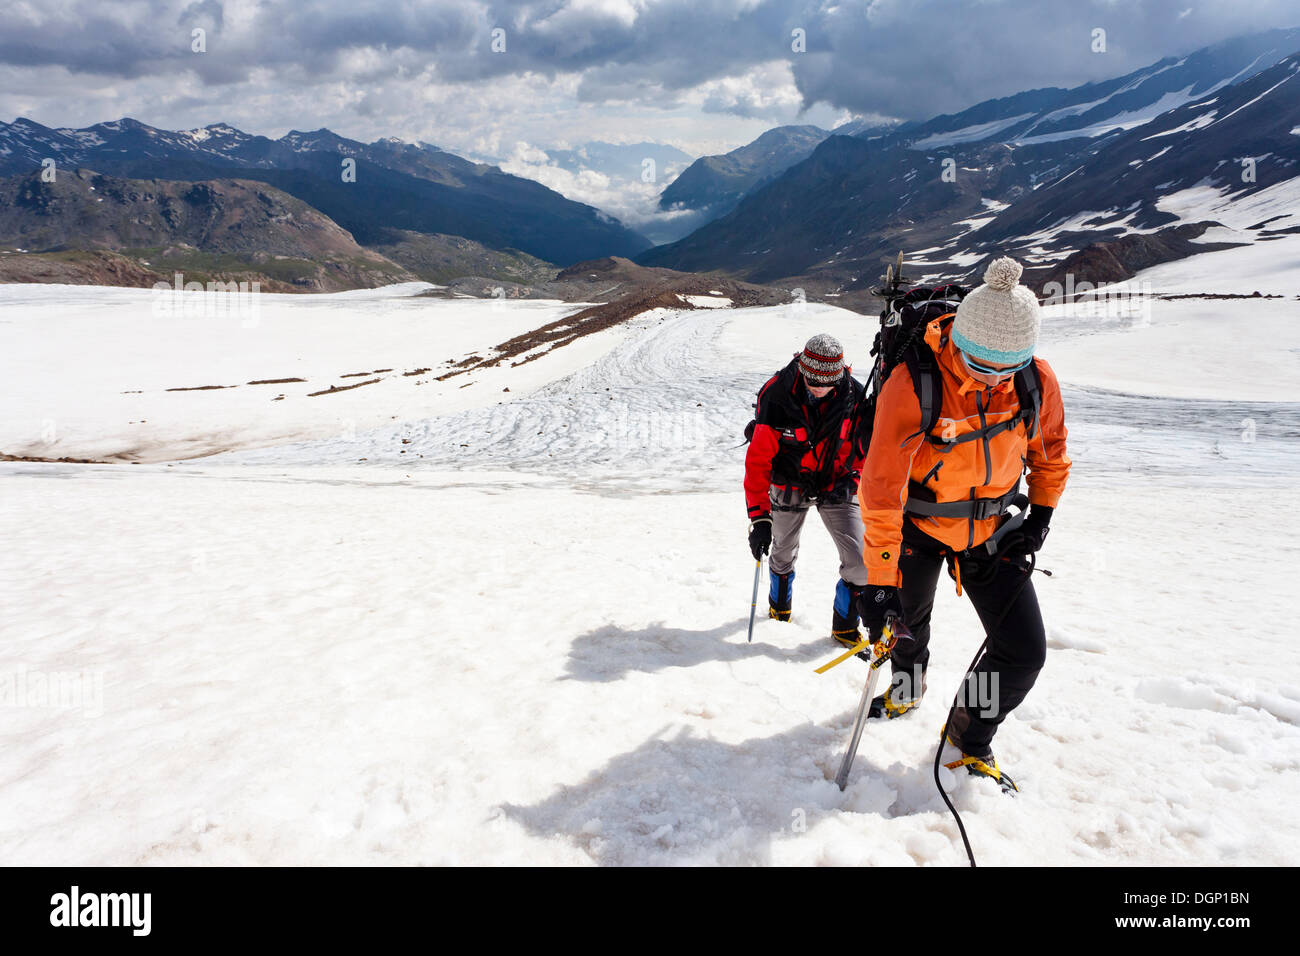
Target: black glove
760,536
875,603
1029,537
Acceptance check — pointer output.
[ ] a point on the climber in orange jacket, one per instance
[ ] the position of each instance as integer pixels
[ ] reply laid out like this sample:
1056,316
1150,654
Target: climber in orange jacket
930,498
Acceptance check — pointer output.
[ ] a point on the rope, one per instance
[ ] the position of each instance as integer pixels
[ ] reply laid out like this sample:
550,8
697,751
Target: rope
943,735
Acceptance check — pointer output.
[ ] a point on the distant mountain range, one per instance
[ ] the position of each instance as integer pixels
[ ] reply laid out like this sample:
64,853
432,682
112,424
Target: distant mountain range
715,184
1138,169
399,186
1039,175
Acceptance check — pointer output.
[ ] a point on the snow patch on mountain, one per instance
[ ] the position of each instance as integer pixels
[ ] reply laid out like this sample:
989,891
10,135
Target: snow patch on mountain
1120,121
1294,70
1233,208
969,134
1199,122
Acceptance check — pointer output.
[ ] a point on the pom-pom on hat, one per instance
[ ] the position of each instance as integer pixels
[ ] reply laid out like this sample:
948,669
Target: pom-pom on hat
998,322
822,360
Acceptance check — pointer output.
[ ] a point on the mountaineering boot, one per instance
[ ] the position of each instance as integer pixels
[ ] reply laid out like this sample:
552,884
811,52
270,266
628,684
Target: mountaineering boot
844,620
780,595
954,757
901,698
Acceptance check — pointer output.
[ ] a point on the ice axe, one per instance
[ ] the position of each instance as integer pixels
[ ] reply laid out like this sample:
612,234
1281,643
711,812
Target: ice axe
753,601
893,631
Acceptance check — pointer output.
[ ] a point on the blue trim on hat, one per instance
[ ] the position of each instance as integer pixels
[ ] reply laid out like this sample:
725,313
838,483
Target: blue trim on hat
981,353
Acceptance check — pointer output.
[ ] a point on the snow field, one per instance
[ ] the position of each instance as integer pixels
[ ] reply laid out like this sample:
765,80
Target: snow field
528,646
302,670
87,369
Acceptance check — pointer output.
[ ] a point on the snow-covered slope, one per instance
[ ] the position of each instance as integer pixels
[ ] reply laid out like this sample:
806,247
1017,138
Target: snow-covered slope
182,376
1095,109
1042,175
529,646
1228,158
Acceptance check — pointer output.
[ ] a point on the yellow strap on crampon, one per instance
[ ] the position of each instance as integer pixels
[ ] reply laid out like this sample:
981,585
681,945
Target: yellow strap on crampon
857,648
966,761
881,652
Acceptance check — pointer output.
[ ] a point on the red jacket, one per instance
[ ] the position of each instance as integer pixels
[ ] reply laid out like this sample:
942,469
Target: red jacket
792,440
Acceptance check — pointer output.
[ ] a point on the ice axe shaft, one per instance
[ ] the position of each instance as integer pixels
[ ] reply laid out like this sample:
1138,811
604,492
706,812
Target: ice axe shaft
893,631
753,601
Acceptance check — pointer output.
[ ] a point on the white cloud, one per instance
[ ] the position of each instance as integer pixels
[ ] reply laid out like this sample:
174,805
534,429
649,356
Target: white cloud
705,77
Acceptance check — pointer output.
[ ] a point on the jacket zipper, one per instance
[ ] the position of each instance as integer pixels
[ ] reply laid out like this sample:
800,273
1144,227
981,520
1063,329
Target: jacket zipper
984,436
988,462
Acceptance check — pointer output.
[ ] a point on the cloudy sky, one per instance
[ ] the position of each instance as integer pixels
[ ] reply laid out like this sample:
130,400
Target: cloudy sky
508,79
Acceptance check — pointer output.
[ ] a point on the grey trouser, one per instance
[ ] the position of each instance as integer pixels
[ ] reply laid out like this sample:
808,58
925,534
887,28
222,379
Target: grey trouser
842,520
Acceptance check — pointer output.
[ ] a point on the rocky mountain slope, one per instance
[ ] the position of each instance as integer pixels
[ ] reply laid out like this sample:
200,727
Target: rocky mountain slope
714,184
217,229
1041,176
397,185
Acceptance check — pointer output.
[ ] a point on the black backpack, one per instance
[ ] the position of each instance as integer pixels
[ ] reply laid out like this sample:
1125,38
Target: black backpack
901,339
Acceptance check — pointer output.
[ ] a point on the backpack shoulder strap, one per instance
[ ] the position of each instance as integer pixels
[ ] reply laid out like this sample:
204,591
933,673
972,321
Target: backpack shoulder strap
925,380
1029,391
774,392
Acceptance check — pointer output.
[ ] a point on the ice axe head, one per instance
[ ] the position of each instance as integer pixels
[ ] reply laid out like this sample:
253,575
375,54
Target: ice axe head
895,630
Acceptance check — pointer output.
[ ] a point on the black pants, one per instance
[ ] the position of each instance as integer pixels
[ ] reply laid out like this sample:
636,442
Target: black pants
1016,650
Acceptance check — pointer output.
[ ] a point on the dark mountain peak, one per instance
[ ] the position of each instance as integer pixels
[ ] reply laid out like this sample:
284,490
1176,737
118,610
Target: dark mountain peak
23,122
392,144
791,132
125,124
780,137
324,140
217,133
716,183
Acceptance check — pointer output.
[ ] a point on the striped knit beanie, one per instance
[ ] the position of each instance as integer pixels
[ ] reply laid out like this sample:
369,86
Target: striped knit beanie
822,360
998,322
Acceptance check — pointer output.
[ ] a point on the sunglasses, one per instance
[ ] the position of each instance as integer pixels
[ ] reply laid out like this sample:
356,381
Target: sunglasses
975,366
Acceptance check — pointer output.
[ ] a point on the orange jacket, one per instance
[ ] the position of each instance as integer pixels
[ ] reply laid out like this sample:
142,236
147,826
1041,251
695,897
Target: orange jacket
899,453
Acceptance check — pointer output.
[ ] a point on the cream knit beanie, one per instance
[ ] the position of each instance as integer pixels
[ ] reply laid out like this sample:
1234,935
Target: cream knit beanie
998,322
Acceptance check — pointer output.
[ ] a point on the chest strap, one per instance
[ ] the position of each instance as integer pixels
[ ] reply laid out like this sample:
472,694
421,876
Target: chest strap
948,444
976,509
